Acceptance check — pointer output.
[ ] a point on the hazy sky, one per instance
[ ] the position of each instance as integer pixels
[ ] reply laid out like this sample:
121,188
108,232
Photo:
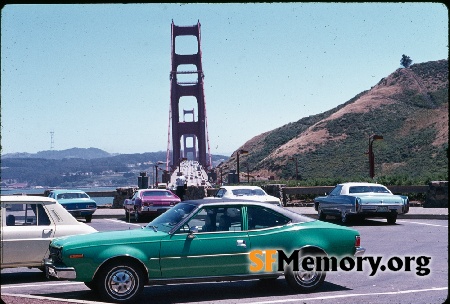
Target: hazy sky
97,75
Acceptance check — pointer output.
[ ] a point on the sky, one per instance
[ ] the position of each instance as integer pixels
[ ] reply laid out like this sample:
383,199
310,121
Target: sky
97,75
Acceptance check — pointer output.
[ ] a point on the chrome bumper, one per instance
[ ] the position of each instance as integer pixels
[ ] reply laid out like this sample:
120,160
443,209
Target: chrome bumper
155,209
360,251
59,272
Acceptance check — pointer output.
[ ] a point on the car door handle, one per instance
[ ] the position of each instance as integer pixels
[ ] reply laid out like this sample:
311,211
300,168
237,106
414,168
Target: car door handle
241,243
47,232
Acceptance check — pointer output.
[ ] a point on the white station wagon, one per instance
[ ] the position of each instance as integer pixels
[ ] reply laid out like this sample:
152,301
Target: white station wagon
29,223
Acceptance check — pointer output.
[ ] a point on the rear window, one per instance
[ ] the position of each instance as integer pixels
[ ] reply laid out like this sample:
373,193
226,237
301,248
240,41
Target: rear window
157,193
72,195
247,192
367,189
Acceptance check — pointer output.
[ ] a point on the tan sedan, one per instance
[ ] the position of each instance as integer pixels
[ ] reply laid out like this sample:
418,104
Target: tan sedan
29,223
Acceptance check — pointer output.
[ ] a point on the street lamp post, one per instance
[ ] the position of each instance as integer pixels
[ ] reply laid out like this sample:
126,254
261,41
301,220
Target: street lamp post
221,174
248,175
242,151
372,155
156,172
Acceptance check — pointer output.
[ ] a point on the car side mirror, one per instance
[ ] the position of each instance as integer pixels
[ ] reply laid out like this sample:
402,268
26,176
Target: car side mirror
192,231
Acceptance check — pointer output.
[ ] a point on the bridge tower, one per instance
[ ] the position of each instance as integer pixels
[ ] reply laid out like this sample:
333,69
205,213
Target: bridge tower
189,140
195,130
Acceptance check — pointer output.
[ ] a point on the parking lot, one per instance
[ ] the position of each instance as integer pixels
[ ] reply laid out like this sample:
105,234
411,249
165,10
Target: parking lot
407,240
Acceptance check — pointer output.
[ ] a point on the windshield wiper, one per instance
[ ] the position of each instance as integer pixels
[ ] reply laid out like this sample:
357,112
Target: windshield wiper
153,227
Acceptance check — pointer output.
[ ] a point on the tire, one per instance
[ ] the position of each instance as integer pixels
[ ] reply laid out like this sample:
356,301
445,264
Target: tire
304,281
120,281
88,218
316,206
92,285
391,219
322,216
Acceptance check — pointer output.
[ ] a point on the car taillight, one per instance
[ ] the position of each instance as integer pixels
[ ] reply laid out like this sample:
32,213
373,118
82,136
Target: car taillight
357,241
358,201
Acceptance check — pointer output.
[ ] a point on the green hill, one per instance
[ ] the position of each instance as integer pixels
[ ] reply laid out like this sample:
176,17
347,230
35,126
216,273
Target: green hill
409,108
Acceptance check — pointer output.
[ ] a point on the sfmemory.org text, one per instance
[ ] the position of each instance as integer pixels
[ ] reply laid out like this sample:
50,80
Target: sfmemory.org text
264,260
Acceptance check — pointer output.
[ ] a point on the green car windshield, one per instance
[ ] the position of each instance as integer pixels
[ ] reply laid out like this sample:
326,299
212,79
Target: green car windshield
166,221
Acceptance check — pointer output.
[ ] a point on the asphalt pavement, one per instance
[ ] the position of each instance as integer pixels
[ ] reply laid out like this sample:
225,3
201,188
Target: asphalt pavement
414,213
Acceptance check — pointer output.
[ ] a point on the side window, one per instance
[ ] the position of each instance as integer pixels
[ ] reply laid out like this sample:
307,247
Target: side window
26,215
220,193
260,218
336,191
217,219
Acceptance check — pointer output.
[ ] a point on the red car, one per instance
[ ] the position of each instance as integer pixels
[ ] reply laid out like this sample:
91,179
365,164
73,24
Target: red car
149,203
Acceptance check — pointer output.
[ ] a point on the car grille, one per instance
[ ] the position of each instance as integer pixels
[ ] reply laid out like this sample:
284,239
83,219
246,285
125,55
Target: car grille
55,254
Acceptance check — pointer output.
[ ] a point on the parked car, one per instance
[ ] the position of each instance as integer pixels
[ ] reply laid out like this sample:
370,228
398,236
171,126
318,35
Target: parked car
77,202
28,225
199,240
362,200
247,192
149,203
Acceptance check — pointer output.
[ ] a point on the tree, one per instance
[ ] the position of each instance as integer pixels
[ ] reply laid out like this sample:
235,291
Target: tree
405,61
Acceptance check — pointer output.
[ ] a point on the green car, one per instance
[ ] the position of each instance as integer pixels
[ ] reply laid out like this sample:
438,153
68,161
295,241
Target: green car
203,240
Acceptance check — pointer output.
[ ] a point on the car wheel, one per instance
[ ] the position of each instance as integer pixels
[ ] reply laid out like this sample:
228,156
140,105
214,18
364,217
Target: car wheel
322,216
316,206
88,218
120,282
92,285
392,219
304,280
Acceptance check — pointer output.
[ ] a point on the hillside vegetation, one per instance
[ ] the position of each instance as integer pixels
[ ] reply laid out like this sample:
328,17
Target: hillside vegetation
409,108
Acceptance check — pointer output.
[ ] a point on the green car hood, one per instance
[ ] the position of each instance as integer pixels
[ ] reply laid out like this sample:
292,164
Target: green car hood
108,238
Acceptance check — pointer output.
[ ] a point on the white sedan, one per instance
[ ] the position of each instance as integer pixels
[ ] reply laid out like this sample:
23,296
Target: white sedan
29,223
254,193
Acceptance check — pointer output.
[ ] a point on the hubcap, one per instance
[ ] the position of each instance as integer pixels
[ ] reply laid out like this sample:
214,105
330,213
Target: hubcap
121,282
305,277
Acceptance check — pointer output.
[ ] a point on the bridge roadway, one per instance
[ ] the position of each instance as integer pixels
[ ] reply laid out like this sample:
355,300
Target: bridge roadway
193,172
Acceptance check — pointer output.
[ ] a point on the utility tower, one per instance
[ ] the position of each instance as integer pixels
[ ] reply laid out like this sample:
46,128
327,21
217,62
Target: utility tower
52,142
195,130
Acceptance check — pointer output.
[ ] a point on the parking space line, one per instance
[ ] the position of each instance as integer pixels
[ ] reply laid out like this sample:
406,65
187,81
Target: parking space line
52,299
426,224
122,222
37,285
351,295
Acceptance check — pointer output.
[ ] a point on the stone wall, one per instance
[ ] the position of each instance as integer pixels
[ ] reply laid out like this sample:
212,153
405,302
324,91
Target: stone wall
120,196
193,192
437,195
